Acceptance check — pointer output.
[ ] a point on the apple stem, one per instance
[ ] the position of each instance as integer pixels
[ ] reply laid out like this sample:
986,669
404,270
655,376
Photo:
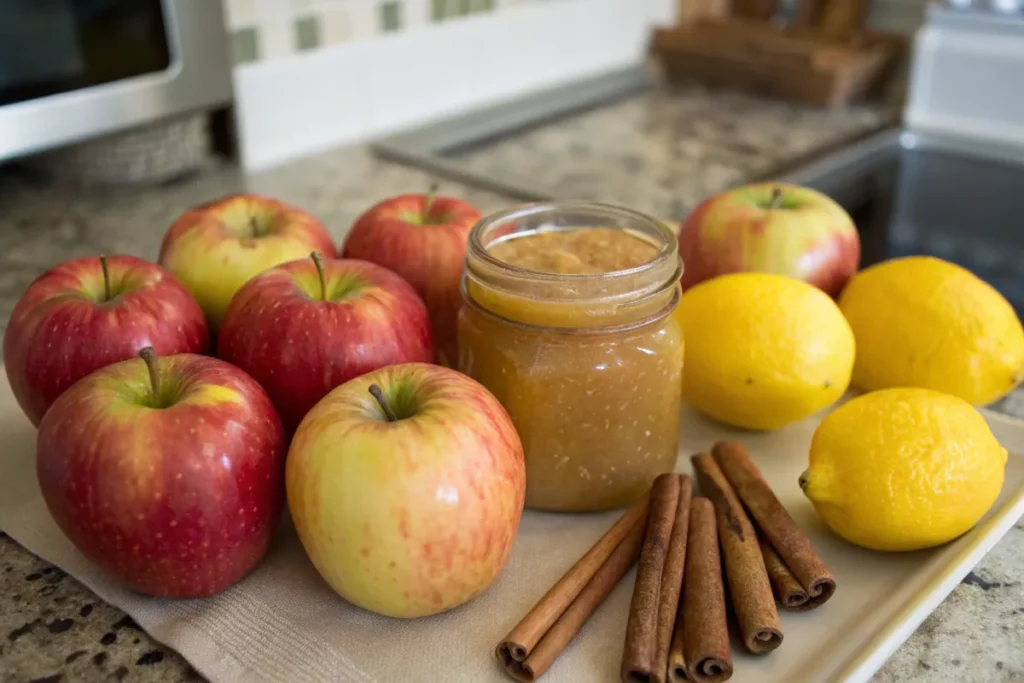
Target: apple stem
431,198
153,365
318,261
379,395
106,278
776,201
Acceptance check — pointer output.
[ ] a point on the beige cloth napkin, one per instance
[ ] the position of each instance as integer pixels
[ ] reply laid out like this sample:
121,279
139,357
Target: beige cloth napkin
283,623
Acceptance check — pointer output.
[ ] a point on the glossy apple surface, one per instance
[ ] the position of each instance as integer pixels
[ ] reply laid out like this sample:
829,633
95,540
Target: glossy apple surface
300,330
424,240
90,312
216,248
414,513
176,493
770,228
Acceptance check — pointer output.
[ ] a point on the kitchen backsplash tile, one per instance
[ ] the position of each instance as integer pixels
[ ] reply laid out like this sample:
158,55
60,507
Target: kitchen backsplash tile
415,13
390,16
274,23
263,30
307,32
245,45
289,49
335,27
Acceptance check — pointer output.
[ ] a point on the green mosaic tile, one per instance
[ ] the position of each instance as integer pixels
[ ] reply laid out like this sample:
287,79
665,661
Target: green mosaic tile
245,46
391,16
438,10
307,33
465,7
482,5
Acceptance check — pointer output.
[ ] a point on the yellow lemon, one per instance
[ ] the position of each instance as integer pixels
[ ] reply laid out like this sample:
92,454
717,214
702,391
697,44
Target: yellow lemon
903,469
924,322
763,350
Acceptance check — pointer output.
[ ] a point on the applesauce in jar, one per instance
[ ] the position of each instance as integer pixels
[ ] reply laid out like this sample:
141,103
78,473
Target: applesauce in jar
568,323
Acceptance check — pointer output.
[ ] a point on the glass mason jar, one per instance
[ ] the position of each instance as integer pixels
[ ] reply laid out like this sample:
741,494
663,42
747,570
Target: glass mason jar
587,364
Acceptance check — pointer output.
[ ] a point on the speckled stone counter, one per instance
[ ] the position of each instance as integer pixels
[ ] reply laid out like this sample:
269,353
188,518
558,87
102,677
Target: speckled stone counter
662,151
54,629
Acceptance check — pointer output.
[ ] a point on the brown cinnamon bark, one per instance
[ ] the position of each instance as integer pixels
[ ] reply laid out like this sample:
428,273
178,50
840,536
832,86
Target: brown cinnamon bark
700,645
786,538
638,665
672,578
790,594
590,598
517,646
676,653
751,593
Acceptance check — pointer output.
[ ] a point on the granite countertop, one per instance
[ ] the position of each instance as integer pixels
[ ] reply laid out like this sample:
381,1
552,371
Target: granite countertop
667,154
664,150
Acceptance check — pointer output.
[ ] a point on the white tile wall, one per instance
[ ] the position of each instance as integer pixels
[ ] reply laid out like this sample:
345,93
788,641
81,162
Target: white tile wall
360,84
265,30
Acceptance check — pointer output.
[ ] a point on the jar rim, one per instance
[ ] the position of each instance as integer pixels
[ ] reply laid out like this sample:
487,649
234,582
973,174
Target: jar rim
669,247
603,300
649,319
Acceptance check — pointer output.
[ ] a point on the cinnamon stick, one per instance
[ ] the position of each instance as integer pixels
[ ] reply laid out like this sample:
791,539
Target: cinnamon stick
790,593
572,620
700,645
786,538
638,664
677,651
751,593
539,638
672,578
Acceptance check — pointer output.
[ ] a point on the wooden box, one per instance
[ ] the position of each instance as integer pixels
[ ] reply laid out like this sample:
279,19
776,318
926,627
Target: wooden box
796,64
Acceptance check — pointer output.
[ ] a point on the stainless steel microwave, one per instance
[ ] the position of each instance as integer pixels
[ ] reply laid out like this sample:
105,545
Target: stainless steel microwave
77,69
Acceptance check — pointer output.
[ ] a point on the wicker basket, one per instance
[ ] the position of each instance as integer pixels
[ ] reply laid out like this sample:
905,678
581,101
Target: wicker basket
151,154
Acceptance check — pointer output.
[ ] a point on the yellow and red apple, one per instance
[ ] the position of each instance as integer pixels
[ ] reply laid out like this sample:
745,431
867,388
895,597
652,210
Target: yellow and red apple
406,486
89,312
216,248
423,238
168,473
770,228
305,327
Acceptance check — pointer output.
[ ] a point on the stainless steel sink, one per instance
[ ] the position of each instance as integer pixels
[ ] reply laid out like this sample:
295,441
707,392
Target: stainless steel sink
432,146
624,139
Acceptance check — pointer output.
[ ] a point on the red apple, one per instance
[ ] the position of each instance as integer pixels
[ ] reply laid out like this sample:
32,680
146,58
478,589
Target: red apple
90,312
422,238
216,248
165,472
770,228
305,327
406,486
